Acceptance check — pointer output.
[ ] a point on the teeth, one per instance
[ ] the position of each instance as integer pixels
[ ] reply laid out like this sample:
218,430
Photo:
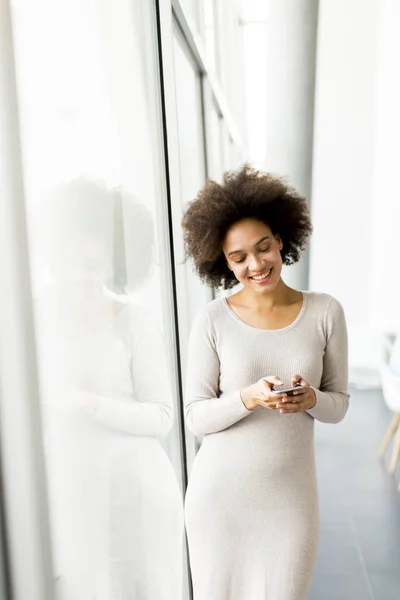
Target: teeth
263,276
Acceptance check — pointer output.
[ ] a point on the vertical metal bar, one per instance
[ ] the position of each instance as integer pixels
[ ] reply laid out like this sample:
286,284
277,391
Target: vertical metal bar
172,166
23,480
170,137
5,581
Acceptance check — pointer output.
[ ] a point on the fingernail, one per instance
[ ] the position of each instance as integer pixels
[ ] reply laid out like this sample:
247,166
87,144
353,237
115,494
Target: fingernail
281,411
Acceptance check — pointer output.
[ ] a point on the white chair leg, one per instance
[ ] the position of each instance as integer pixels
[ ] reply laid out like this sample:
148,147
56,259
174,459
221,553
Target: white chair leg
389,434
396,452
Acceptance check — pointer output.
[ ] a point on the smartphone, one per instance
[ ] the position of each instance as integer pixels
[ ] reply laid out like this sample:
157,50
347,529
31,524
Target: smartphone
286,389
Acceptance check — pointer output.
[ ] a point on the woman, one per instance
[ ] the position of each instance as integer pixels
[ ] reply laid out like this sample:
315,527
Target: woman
251,505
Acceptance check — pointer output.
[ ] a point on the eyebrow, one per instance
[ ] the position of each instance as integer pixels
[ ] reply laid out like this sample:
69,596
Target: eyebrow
267,237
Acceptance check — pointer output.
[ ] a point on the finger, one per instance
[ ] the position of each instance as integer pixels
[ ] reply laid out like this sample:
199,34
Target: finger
268,400
300,392
295,407
267,391
296,379
264,404
272,397
297,397
266,387
287,406
294,401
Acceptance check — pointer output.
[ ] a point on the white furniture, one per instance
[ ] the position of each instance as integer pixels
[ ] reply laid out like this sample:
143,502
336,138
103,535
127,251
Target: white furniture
390,373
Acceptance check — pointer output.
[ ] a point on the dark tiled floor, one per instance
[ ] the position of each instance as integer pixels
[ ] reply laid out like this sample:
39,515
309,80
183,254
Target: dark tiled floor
359,554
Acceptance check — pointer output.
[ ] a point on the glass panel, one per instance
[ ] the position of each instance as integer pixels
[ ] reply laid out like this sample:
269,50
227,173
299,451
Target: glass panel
192,294
90,115
192,170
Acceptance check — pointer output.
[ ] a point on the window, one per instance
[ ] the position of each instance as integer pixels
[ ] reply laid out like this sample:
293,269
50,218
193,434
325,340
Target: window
97,224
192,172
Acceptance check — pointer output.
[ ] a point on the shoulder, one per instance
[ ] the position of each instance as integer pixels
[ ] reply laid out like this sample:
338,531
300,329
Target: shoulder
210,317
326,309
325,302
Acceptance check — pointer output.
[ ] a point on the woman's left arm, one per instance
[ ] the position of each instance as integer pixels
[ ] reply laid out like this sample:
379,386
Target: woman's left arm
332,398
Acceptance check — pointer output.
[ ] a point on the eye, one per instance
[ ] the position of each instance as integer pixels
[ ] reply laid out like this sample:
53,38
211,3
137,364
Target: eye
239,261
265,249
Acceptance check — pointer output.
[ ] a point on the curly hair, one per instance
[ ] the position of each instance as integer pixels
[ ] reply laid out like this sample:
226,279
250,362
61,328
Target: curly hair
245,193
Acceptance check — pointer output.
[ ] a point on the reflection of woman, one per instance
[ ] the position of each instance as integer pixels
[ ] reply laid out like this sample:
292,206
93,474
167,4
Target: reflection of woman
251,506
115,503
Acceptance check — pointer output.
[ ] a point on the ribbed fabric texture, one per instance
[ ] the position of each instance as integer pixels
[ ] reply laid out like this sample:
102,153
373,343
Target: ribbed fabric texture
251,505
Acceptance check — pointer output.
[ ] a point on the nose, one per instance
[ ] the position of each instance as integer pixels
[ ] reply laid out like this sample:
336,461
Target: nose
255,263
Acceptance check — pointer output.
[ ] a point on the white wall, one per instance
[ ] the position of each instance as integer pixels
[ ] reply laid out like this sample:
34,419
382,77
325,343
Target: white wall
291,58
385,296
342,246
254,20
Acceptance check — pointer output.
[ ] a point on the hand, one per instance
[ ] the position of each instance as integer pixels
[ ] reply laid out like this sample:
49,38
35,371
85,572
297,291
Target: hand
299,401
260,394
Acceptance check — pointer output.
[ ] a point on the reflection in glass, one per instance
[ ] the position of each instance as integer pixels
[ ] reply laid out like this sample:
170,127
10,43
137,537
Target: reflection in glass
116,508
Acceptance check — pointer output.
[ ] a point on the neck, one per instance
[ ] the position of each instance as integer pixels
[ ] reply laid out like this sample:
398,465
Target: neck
282,294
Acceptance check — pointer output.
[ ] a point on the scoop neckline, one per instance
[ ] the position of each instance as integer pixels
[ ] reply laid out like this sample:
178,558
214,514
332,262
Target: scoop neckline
259,329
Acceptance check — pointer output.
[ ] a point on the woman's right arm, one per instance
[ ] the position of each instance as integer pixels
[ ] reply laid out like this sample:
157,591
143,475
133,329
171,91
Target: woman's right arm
205,411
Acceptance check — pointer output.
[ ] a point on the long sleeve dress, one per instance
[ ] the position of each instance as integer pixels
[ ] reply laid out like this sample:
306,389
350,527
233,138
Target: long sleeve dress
252,504
115,504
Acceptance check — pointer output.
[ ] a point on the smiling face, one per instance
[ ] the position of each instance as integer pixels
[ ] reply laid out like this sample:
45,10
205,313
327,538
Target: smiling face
252,252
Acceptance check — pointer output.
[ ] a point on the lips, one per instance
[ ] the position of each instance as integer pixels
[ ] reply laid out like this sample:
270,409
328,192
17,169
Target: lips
262,277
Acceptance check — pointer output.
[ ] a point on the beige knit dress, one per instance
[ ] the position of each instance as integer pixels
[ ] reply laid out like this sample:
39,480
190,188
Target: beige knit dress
252,504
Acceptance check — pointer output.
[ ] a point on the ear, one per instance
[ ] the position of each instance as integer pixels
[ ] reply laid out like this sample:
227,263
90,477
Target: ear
280,243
